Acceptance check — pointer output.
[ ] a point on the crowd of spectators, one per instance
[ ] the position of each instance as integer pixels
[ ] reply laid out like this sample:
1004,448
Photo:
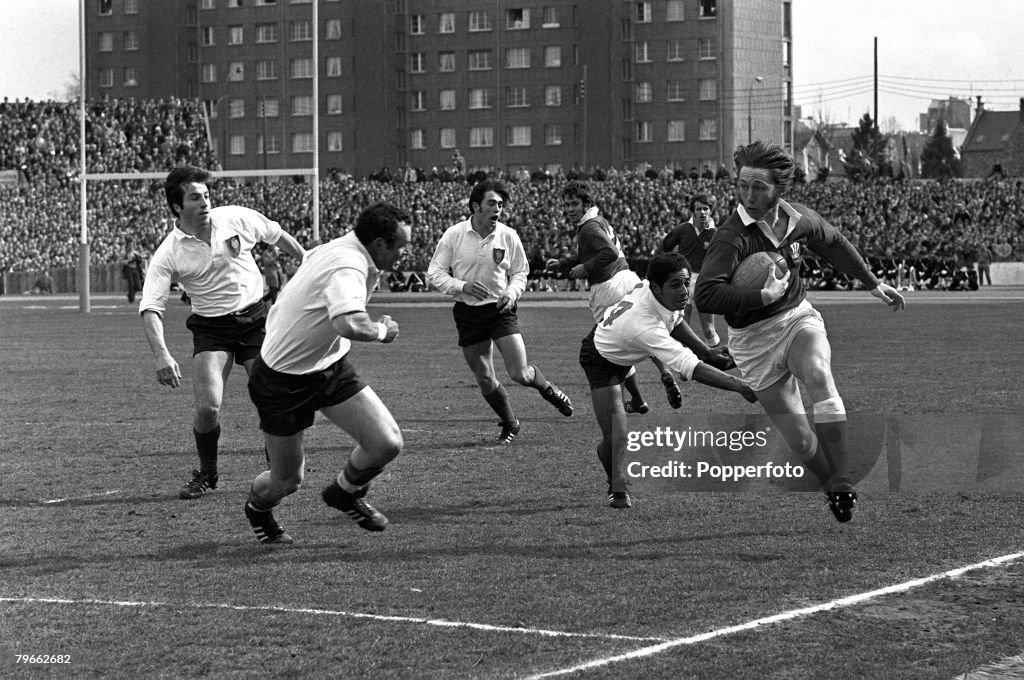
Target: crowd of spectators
890,221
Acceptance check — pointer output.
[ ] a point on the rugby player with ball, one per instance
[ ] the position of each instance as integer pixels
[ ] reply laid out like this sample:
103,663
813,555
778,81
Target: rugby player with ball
776,337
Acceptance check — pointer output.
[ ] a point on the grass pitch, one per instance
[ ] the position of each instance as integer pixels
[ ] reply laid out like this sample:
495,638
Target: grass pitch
502,562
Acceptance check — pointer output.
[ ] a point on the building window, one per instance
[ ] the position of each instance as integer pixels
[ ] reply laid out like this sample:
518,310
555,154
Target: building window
676,131
550,17
515,97
708,90
236,71
417,101
266,33
447,62
707,129
301,31
552,56
706,48
446,23
708,9
447,100
333,29
236,35
267,108
106,42
553,135
641,52
416,64
193,53
481,137
236,108
209,73
675,91
207,36
237,145
553,95
334,141
266,69
131,41
517,57
479,21
786,46
480,98
479,60
417,139
516,19
643,93
333,67
302,142
334,104
131,77
674,49
131,6
675,10
206,4
643,12
417,24
643,131
106,9
517,135
302,105
106,77
267,145
302,68
447,138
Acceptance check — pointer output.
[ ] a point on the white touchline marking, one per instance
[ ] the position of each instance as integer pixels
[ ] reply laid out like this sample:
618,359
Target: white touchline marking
76,498
443,623
1007,667
784,616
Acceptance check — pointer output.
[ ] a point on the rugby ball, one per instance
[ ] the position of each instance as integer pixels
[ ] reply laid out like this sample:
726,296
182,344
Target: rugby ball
752,271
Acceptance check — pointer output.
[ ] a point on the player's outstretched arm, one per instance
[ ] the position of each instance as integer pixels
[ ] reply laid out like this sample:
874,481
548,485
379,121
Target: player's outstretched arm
889,296
358,326
711,376
167,370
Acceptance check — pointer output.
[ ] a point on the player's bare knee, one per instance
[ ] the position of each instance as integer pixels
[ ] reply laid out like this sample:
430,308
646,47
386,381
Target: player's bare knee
523,376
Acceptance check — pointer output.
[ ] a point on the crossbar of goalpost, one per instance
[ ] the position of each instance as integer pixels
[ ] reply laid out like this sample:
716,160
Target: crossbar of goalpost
84,284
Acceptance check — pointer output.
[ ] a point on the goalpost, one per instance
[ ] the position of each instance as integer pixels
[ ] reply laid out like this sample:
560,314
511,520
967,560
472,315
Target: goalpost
83,282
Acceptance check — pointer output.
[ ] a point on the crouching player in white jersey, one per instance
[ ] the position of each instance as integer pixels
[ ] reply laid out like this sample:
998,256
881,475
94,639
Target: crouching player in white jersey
303,367
646,322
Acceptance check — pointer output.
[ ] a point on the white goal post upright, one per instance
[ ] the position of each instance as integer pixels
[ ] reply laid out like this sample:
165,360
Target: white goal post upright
83,280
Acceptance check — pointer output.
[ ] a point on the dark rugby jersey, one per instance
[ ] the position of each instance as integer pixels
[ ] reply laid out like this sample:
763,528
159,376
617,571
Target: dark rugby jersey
598,250
735,241
690,244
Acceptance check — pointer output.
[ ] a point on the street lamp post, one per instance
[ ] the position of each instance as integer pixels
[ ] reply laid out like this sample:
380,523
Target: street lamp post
750,119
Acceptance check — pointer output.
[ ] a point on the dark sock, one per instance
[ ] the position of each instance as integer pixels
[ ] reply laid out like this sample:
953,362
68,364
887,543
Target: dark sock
498,400
360,478
832,441
206,447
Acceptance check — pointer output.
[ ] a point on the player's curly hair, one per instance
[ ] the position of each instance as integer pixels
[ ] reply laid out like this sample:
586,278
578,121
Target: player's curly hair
577,189
767,156
664,265
174,185
481,188
380,220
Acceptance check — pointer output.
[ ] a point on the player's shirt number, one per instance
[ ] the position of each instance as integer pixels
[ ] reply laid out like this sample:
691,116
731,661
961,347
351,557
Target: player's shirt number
617,311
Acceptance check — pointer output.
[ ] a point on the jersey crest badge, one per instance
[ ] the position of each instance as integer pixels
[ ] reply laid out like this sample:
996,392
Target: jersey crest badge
794,251
498,254
234,245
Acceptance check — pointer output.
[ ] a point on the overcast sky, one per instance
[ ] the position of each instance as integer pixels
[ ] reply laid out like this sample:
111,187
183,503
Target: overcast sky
927,49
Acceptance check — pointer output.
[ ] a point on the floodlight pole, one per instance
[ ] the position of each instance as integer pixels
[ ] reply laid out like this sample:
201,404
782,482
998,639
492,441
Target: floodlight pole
83,282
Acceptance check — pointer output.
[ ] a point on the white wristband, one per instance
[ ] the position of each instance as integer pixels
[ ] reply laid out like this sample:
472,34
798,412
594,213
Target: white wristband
382,332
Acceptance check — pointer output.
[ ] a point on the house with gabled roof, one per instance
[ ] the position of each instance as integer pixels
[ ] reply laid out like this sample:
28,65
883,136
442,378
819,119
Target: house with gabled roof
995,141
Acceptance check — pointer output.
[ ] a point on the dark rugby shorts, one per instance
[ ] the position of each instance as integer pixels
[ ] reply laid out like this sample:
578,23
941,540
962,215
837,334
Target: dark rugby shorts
479,323
287,403
600,372
240,334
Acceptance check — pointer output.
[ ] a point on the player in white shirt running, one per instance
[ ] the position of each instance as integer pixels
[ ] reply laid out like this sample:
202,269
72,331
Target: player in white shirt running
482,264
647,322
304,368
210,253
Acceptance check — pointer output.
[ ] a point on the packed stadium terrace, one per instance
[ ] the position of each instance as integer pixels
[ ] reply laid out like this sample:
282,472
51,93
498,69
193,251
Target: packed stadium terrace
915,221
